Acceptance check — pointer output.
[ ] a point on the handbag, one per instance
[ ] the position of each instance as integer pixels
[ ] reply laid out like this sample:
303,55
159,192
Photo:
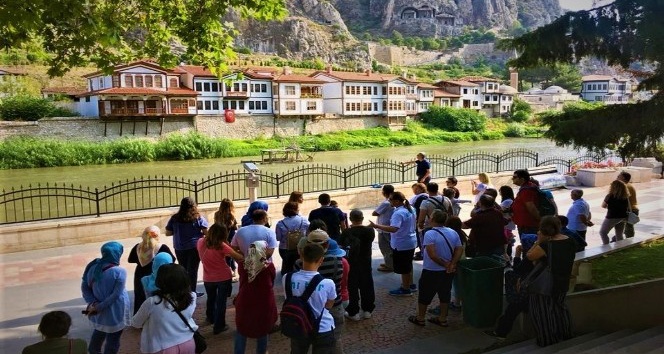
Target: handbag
540,280
199,340
632,218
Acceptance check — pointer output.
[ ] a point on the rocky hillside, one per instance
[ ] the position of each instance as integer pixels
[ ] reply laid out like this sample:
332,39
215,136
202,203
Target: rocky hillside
320,28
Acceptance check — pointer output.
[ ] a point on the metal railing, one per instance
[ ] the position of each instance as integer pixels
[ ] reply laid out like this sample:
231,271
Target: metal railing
53,201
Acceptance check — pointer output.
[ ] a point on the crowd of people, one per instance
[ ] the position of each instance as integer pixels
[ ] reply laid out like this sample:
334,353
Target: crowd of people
338,247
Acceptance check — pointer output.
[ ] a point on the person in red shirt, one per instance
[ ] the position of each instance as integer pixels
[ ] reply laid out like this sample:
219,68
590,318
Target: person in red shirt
524,208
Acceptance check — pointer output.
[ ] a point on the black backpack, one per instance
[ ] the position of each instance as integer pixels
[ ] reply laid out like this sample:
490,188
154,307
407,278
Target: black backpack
545,206
298,320
437,204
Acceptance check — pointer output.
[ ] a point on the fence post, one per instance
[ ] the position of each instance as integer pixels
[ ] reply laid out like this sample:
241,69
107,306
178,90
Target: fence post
278,186
497,163
536,159
453,167
403,173
97,201
196,191
345,180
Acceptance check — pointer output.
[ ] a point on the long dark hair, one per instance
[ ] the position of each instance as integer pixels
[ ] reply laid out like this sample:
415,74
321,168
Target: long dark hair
506,192
188,211
217,234
173,283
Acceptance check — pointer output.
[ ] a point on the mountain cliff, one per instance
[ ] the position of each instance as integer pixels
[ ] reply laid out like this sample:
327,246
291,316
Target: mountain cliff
320,28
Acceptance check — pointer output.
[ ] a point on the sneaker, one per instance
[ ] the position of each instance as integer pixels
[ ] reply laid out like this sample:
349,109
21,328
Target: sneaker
493,334
366,315
401,292
413,287
355,317
199,294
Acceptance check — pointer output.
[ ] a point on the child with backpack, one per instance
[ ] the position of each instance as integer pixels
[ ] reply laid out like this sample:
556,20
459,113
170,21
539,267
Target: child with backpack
305,316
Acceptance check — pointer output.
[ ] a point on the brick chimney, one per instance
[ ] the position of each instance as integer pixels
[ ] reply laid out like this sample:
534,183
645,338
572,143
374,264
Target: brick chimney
286,70
514,79
367,72
328,69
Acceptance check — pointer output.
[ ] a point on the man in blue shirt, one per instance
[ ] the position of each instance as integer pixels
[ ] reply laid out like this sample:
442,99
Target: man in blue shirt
423,170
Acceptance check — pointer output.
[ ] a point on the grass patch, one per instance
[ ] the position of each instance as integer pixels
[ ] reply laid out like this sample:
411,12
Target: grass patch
635,264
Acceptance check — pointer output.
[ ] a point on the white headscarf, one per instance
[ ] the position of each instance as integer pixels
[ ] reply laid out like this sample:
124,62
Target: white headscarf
256,261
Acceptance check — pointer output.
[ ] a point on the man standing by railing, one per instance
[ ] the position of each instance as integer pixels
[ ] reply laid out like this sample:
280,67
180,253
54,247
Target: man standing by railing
423,170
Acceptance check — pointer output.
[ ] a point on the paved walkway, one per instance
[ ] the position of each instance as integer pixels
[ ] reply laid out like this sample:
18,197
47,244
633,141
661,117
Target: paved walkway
36,282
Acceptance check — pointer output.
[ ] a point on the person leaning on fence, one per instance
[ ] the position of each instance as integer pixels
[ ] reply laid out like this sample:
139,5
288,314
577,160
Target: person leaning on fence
54,327
443,250
384,213
423,170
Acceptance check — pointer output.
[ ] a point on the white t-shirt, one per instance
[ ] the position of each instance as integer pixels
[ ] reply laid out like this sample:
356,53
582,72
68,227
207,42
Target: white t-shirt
325,291
162,327
247,235
444,249
481,188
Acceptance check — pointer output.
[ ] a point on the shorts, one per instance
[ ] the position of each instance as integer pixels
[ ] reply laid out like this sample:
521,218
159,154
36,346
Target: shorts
434,282
403,261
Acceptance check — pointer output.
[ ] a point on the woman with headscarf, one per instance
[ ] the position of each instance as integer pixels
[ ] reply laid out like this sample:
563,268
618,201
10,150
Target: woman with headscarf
163,329
257,205
186,227
142,254
149,282
255,307
103,288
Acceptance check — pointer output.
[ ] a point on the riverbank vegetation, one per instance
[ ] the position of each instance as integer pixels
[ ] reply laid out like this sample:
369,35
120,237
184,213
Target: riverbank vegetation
29,152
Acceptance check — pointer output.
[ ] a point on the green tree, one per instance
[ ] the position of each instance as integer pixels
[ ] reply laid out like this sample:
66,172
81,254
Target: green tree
397,38
107,32
455,119
621,32
568,77
430,44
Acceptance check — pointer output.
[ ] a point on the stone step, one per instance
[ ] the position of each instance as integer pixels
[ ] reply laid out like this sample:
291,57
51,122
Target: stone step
509,348
554,348
656,342
625,341
596,342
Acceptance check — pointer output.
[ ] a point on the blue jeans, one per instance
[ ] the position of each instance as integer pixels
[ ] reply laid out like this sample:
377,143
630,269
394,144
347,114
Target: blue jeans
217,293
190,260
240,344
112,342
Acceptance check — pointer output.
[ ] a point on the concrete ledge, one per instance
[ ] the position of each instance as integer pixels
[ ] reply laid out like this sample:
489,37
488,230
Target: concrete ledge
596,177
639,174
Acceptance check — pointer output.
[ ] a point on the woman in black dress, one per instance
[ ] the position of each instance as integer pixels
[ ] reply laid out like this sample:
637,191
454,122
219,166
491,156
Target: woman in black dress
142,254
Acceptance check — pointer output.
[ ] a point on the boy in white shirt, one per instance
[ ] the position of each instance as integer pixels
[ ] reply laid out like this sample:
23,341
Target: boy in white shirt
321,300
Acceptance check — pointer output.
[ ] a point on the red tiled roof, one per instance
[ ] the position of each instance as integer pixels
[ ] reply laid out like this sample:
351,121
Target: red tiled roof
197,70
297,78
477,79
70,91
443,93
362,77
425,85
596,78
148,64
142,91
458,83
256,75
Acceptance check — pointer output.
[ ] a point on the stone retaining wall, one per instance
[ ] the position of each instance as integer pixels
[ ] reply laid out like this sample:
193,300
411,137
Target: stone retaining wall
244,127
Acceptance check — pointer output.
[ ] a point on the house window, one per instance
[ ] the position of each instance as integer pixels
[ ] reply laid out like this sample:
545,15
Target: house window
375,90
129,81
173,82
101,82
375,105
206,86
240,105
290,90
384,105
224,104
290,105
487,98
244,87
215,105
199,87
208,105
148,81
116,81
139,80
233,104
214,87
251,105
476,91
347,90
264,105
87,99
604,87
384,90
199,105
495,98
465,91
311,105
475,103
192,102
157,81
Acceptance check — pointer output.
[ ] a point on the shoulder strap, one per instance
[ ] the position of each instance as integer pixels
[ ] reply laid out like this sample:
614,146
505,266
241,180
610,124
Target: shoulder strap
311,287
289,288
447,242
180,314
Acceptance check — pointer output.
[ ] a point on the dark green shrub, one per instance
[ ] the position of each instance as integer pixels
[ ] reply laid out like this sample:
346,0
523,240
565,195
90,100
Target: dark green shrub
62,112
454,119
520,116
23,107
515,130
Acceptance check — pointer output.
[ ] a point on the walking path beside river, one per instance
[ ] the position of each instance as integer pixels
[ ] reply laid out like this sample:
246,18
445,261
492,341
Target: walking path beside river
35,282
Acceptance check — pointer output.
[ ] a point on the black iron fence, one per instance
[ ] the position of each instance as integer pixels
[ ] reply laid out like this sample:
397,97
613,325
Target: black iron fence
53,201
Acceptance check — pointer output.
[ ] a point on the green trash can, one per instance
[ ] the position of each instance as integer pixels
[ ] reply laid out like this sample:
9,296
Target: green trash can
481,285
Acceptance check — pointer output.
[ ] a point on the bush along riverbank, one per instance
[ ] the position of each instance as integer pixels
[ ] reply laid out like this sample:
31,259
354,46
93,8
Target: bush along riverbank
27,152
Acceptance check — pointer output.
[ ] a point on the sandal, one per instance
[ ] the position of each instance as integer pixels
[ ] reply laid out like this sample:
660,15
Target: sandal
414,320
384,269
437,321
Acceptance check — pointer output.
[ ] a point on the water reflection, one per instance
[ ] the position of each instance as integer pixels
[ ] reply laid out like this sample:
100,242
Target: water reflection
100,175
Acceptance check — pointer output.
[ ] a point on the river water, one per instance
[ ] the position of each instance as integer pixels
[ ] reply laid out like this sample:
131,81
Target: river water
103,175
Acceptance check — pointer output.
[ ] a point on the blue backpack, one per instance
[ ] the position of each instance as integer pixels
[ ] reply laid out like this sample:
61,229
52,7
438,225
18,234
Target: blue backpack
298,320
